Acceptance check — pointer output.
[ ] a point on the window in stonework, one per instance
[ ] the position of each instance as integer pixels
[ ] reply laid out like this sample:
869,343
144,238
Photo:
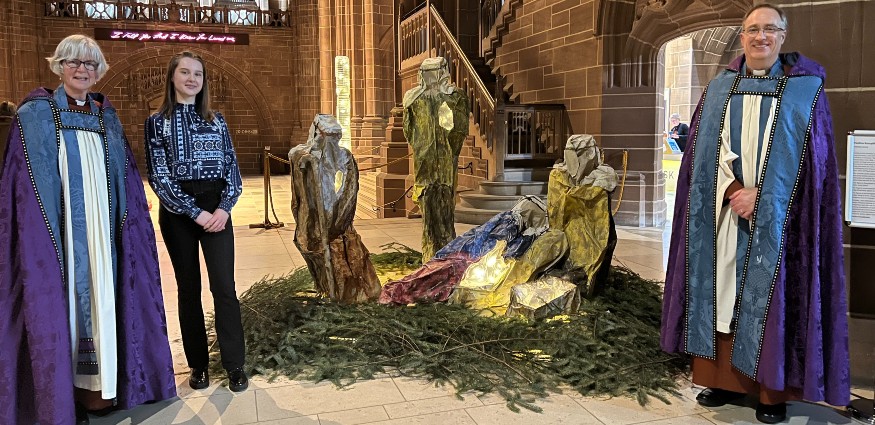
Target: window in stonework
241,17
136,10
100,10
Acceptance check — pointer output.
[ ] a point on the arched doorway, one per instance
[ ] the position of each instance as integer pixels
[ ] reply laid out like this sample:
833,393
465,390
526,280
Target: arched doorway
632,34
687,63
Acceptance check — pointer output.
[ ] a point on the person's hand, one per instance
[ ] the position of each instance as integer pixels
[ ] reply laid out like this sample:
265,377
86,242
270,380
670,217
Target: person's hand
674,135
217,222
742,202
203,218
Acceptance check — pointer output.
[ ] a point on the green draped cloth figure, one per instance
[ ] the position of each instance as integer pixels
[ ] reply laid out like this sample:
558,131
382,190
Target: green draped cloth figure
435,125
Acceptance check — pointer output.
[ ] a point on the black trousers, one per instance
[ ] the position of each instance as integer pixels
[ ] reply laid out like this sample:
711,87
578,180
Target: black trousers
182,237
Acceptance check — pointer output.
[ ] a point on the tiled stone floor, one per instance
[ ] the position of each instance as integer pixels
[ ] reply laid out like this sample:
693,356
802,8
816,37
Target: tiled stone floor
397,400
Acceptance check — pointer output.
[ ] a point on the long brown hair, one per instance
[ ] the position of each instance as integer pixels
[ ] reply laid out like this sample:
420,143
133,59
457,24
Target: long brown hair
201,100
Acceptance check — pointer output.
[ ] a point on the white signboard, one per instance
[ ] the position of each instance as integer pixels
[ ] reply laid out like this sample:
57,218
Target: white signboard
860,179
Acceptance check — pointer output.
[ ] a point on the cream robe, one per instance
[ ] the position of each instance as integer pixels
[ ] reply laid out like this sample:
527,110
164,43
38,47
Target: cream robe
95,194
727,221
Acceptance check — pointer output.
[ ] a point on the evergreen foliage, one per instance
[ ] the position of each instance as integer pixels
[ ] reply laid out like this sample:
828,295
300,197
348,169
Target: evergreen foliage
610,347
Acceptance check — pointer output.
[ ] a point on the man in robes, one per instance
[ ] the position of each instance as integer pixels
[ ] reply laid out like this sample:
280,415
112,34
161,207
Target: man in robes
755,287
435,125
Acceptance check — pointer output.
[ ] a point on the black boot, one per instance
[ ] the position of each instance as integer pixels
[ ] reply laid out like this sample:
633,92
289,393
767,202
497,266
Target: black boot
237,380
771,413
199,379
81,415
715,397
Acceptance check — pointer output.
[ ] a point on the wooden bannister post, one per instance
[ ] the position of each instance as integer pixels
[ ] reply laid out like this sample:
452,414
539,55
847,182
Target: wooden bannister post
428,27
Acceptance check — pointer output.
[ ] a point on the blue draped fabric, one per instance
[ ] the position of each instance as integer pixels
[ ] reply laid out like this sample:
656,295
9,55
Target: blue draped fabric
478,241
71,122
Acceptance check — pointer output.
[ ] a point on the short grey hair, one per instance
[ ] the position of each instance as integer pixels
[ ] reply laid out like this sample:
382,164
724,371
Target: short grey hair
675,116
777,9
78,46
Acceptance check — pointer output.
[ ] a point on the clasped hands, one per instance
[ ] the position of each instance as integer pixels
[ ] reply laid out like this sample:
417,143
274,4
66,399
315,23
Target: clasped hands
214,222
742,201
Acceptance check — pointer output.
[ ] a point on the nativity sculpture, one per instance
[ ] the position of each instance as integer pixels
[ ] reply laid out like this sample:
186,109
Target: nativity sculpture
535,260
324,192
435,125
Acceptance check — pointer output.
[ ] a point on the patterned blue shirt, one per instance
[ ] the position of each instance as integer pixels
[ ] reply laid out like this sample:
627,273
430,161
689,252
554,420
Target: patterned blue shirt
187,147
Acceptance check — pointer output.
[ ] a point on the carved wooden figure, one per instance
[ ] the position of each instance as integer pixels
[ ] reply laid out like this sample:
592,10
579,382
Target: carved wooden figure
324,191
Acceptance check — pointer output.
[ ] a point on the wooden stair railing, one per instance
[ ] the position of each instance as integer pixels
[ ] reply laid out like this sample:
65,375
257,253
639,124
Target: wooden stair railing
424,34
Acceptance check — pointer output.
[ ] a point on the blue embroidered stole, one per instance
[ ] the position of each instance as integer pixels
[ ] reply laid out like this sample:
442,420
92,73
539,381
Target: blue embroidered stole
43,120
760,244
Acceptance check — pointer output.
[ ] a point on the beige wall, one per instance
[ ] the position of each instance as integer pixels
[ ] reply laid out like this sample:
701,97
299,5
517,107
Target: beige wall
549,55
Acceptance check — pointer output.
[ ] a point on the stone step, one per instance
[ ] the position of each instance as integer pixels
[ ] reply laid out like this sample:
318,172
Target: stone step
526,174
509,188
490,202
473,215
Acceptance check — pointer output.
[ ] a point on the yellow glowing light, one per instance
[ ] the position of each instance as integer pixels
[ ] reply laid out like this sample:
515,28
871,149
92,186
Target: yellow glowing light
341,81
487,272
338,181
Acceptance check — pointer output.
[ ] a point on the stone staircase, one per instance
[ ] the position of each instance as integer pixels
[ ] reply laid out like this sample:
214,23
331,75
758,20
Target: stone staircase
367,196
493,197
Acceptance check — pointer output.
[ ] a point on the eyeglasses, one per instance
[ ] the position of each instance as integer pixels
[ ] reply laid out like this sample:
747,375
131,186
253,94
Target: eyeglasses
74,63
769,31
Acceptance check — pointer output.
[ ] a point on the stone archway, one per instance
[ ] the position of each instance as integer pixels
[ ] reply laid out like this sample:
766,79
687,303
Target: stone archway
631,35
227,82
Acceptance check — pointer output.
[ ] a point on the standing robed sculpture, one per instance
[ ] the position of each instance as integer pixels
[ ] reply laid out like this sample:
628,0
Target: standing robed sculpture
324,192
435,125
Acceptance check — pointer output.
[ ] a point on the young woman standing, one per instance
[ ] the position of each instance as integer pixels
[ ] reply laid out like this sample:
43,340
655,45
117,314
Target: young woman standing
193,171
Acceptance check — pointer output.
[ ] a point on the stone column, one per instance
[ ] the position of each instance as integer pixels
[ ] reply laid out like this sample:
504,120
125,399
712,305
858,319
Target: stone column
632,129
327,50
374,93
392,180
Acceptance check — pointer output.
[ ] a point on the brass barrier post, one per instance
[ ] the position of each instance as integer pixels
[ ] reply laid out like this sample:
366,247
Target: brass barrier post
267,224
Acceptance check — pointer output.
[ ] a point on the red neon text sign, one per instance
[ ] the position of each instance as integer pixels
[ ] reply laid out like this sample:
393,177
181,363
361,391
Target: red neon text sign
170,36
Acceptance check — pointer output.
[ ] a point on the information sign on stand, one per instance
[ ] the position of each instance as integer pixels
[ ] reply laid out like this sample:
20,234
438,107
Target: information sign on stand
860,212
860,179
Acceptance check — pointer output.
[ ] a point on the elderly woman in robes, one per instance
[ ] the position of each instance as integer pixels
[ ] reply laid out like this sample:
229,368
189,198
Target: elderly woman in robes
81,314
